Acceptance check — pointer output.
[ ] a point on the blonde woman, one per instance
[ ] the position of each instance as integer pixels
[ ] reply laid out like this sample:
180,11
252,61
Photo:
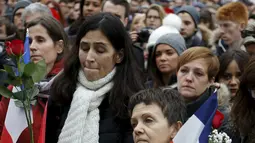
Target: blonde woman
154,16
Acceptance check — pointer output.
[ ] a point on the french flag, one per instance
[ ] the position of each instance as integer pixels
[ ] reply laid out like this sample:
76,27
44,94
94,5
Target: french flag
15,120
199,125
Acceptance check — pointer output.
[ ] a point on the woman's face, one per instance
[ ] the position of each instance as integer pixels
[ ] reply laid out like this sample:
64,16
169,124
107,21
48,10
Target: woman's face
76,11
192,79
150,125
91,7
138,23
231,77
97,55
43,47
166,59
153,19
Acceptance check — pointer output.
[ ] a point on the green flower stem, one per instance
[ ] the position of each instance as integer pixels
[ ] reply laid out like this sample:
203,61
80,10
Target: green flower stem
29,121
18,65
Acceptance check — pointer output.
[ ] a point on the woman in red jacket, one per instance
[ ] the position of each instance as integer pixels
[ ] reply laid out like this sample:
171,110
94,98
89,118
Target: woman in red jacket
48,41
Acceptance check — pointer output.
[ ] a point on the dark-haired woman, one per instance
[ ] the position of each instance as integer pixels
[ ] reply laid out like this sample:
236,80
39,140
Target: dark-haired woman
232,65
164,60
48,41
87,9
206,26
243,108
88,101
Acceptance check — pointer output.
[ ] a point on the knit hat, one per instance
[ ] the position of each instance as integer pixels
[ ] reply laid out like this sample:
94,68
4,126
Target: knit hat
251,28
192,12
199,5
20,4
156,34
174,40
172,20
233,11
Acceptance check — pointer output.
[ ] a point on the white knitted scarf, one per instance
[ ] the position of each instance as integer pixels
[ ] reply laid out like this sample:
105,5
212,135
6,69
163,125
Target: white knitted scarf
82,122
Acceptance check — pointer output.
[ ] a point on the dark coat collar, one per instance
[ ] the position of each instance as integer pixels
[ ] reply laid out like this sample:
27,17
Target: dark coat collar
193,106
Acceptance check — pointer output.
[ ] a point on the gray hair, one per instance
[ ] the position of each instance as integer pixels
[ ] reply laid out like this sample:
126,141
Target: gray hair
33,9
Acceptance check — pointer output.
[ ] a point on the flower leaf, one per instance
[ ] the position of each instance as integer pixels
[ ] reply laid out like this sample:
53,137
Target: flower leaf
21,67
39,71
26,94
28,82
9,70
29,69
13,81
32,92
36,71
5,92
2,70
20,95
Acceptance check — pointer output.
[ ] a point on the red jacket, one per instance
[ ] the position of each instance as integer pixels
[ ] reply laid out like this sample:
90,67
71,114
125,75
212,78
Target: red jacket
38,111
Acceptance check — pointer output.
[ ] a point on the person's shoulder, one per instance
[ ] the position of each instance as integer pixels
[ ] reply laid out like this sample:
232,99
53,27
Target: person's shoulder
149,84
197,41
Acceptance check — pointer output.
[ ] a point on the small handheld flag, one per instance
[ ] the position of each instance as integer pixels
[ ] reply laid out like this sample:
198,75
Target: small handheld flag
26,49
199,125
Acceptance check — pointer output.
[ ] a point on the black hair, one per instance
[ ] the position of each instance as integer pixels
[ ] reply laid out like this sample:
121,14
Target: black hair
239,56
243,108
128,77
10,28
123,3
206,17
82,2
169,100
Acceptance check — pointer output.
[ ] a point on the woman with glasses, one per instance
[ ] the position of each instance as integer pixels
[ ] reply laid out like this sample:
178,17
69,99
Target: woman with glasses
154,16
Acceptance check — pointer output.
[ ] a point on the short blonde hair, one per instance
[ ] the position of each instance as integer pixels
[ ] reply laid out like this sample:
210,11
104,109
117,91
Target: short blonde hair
159,9
201,53
136,19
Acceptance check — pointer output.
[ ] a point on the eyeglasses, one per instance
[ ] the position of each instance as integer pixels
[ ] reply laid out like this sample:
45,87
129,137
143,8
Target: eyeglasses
154,17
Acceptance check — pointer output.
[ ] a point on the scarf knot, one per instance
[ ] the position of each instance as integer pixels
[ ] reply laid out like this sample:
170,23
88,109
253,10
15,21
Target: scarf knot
82,122
94,85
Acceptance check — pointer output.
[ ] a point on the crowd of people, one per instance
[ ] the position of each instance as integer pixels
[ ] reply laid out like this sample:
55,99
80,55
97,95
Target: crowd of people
121,71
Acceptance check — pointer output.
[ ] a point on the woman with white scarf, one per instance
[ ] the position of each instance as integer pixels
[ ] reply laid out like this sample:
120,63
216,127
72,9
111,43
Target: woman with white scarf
88,101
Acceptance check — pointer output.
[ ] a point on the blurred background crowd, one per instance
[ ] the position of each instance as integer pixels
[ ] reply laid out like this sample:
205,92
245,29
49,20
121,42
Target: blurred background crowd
127,46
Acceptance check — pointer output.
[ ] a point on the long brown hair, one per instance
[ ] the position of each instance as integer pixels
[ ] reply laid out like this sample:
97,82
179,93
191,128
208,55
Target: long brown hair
243,109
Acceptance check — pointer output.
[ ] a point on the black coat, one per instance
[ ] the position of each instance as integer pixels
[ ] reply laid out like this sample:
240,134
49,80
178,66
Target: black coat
4,60
192,107
111,129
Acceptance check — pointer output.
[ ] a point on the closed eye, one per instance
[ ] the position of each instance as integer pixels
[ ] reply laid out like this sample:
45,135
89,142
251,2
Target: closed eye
84,46
184,70
199,74
133,124
40,39
158,54
148,120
